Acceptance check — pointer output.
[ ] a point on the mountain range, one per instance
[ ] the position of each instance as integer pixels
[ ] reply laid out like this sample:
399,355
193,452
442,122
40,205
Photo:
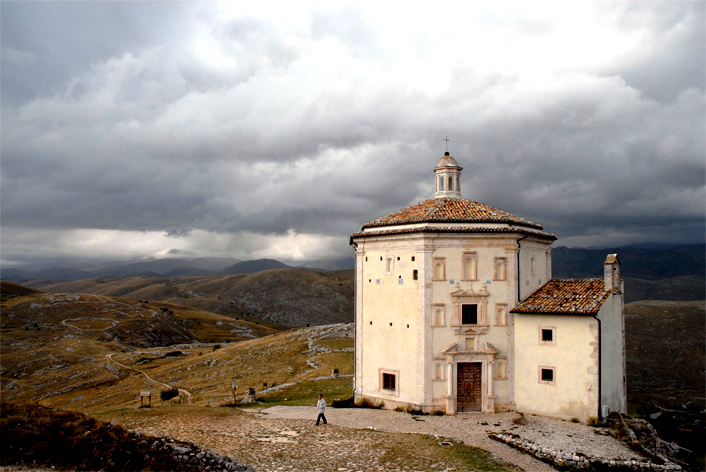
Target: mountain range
646,263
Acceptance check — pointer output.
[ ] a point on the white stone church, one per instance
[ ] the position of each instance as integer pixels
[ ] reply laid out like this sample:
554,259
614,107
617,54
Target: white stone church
456,311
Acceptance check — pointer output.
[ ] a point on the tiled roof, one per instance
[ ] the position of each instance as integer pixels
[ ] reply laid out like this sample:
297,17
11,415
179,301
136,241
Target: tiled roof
449,210
450,229
573,296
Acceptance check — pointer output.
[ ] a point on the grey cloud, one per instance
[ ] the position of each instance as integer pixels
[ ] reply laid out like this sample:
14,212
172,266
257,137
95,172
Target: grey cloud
144,134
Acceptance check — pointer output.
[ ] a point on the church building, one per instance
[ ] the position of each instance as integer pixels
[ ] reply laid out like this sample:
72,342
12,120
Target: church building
456,311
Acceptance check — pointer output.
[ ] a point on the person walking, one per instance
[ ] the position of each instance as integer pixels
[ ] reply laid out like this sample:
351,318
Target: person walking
321,405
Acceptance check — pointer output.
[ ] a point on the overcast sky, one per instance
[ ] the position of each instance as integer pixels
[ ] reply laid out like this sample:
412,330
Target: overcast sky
276,129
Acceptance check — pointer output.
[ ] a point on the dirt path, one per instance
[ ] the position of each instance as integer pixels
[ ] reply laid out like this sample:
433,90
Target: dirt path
182,392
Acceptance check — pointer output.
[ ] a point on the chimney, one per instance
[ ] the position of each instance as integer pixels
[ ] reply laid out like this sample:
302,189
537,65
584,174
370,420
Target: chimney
611,273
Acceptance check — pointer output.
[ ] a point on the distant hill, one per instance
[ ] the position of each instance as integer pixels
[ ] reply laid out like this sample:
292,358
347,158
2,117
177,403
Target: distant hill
84,269
281,297
252,267
637,262
10,290
683,288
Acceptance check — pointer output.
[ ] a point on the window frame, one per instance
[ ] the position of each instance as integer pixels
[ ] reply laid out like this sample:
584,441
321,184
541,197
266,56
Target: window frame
476,313
540,372
390,374
540,333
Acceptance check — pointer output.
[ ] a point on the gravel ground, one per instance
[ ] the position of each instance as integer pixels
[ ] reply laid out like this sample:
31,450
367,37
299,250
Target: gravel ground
472,429
286,438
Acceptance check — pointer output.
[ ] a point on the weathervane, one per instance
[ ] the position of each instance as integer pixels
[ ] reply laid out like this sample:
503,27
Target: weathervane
447,143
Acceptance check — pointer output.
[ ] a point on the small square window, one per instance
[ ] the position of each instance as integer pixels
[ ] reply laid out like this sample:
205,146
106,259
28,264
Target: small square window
412,258
547,335
546,375
389,382
398,258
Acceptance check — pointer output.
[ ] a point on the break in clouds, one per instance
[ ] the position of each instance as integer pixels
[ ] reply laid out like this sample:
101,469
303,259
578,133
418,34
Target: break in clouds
188,129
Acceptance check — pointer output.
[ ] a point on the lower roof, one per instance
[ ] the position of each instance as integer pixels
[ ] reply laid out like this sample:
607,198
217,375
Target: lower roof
570,297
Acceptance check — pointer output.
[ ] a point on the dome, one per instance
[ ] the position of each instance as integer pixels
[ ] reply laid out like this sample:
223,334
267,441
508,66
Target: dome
446,161
449,210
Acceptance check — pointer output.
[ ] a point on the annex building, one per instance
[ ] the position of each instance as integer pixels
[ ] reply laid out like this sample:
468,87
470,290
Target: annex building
456,311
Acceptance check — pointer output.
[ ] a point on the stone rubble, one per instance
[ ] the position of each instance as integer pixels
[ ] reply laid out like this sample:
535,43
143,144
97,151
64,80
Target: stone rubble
196,457
579,461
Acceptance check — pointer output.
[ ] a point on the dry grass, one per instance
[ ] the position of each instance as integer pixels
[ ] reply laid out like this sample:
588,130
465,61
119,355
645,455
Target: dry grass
54,350
54,347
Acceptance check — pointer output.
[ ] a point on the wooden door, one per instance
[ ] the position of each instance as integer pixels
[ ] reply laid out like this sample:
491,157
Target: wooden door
469,382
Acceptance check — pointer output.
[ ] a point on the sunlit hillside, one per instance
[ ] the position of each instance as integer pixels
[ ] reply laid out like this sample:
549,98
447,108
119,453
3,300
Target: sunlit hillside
54,346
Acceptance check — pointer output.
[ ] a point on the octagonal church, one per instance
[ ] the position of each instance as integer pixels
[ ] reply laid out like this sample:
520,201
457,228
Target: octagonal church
456,311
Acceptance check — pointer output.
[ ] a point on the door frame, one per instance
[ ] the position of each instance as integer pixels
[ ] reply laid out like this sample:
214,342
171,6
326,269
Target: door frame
479,388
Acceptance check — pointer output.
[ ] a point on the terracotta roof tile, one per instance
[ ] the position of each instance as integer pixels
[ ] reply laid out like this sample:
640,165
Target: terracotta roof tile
573,296
449,209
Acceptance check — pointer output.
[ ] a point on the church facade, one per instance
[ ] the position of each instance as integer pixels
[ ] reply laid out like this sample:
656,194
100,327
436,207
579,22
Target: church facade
456,311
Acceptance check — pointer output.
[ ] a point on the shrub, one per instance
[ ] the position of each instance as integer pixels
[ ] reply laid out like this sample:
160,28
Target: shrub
365,403
519,420
399,409
217,346
574,420
167,395
437,413
594,421
347,403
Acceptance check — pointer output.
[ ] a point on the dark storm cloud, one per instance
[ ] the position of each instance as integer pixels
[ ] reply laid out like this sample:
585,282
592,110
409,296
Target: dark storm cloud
217,130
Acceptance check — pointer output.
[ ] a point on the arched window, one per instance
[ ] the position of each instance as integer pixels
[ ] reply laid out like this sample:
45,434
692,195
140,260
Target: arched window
439,269
439,316
499,272
438,371
470,266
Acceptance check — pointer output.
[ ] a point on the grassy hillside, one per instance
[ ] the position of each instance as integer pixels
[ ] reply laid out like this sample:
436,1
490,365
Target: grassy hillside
54,346
278,298
666,368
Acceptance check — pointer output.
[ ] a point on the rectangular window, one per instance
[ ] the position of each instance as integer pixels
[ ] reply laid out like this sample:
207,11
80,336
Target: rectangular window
389,382
469,314
547,335
546,375
415,274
